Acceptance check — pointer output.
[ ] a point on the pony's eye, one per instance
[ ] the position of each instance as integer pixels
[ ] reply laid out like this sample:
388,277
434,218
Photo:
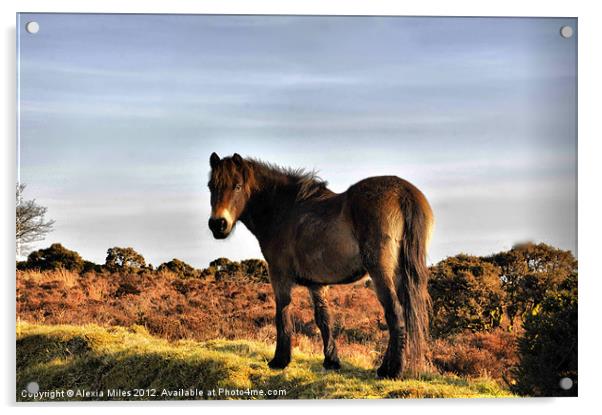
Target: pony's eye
237,188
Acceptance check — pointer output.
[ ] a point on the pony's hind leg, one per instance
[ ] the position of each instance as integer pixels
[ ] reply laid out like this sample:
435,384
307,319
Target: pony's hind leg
383,275
322,317
392,365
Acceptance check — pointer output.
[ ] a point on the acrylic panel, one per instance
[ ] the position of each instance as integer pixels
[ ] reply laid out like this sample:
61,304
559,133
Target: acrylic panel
295,207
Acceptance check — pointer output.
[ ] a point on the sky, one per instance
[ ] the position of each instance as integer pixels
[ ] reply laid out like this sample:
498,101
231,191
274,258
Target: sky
118,115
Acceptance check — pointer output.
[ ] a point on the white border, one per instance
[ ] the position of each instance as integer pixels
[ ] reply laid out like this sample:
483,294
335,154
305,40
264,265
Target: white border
590,29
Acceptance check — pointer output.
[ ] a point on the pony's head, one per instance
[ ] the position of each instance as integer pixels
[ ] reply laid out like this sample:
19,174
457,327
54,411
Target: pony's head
230,187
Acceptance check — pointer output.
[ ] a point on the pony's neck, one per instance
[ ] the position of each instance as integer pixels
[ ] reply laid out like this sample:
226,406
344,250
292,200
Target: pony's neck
273,194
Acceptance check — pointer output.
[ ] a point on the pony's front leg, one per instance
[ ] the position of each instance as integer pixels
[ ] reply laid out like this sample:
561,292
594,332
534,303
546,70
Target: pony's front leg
322,317
284,326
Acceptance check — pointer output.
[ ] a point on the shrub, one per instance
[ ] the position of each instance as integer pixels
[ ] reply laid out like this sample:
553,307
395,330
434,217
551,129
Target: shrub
548,348
466,295
124,259
206,272
476,354
220,264
90,266
223,268
52,258
528,271
256,269
180,268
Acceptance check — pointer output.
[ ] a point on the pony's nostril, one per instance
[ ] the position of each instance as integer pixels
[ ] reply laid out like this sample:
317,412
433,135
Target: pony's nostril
218,225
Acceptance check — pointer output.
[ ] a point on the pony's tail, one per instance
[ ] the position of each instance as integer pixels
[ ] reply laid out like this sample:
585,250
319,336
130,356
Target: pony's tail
412,287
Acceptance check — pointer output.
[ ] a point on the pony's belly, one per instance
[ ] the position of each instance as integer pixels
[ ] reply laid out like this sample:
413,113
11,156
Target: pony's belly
328,256
329,273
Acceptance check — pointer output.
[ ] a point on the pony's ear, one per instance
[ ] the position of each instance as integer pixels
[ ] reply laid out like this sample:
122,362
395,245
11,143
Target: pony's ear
236,158
213,160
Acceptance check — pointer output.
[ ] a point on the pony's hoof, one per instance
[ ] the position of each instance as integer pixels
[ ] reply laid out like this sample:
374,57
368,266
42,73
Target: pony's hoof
277,364
331,364
386,372
382,372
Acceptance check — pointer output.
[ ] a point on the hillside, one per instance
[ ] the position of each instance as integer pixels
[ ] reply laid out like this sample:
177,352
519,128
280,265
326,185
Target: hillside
92,358
503,318
233,307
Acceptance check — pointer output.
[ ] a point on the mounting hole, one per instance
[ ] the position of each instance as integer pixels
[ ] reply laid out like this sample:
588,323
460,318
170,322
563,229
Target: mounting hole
566,32
32,27
33,387
566,383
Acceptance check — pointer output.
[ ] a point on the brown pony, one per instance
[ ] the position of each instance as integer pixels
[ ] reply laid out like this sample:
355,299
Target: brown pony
314,237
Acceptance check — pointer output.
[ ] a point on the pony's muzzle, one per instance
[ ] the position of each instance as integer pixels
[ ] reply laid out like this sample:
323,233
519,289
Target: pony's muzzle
219,227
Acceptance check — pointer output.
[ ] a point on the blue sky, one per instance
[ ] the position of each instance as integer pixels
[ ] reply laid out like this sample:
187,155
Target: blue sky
119,114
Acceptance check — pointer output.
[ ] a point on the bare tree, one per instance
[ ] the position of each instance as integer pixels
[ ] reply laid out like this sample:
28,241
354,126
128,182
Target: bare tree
31,224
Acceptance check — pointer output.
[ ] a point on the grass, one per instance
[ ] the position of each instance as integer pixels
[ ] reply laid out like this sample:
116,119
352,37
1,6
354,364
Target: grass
239,307
92,358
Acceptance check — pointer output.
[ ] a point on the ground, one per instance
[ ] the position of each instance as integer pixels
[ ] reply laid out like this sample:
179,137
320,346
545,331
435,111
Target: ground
94,359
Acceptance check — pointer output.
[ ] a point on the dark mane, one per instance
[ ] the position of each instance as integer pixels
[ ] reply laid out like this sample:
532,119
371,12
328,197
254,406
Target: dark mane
306,183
